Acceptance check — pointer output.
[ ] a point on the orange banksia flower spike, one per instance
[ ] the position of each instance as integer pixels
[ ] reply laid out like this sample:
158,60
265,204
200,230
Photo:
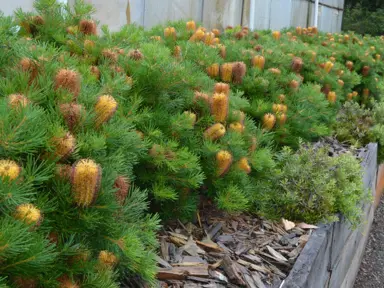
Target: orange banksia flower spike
105,107
88,27
68,80
85,179
219,107
215,132
224,162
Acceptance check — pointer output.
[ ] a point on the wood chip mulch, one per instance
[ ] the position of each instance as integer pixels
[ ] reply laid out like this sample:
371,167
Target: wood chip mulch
229,251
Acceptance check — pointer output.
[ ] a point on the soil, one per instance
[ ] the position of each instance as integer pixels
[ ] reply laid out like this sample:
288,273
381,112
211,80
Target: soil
372,266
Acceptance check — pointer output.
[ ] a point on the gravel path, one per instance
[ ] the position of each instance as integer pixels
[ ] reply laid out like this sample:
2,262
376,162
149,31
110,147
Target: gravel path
371,270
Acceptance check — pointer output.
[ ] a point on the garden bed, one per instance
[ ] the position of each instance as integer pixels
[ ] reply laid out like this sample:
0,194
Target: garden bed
222,251
333,254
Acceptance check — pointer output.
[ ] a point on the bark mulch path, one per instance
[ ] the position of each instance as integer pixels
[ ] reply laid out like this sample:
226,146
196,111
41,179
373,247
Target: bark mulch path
372,267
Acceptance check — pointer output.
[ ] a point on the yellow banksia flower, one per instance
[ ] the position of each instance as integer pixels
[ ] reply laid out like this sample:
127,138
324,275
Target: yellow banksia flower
226,72
208,38
236,127
105,107
201,97
276,35
340,82
216,32
197,36
17,100
349,96
244,165
219,107
269,121
275,71
258,61
28,213
107,258
170,32
213,70
85,178
191,25
328,66
215,132
331,97
299,30
66,282
223,161
282,118
177,51
64,146
88,44
221,88
9,169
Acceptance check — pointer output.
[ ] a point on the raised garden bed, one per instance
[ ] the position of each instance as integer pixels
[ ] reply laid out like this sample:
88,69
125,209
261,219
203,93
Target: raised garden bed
333,254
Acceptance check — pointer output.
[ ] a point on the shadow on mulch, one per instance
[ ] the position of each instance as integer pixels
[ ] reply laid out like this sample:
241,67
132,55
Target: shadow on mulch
372,266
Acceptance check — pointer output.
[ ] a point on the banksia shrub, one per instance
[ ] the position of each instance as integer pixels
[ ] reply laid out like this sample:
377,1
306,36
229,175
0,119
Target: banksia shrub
85,180
29,214
219,107
226,72
215,132
68,80
88,27
105,107
9,169
223,162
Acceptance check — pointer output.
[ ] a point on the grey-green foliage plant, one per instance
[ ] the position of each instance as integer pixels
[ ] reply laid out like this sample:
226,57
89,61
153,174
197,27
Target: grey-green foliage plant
358,125
313,187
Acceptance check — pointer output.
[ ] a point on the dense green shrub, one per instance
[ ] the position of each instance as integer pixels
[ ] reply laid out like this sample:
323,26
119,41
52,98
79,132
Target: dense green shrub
311,186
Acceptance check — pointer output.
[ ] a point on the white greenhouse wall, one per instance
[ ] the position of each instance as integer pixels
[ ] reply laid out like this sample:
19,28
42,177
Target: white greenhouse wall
269,14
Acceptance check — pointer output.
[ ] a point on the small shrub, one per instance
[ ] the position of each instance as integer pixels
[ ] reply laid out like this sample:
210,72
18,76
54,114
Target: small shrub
310,186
